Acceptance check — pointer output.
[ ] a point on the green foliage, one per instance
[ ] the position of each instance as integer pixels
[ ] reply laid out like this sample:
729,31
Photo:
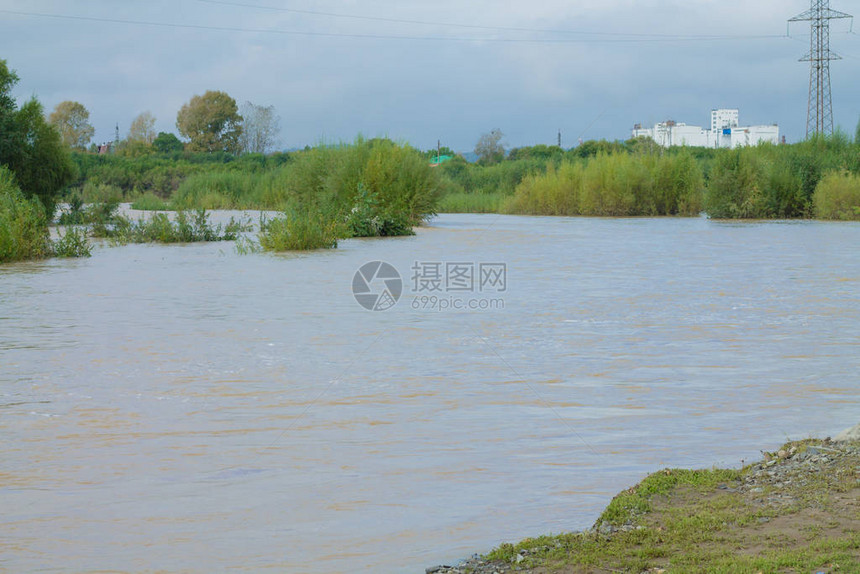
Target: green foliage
30,147
460,202
838,197
300,231
72,243
150,202
72,120
167,143
617,184
23,226
161,228
212,123
541,151
376,187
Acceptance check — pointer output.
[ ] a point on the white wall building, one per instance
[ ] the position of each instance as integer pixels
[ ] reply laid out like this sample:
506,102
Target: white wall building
725,132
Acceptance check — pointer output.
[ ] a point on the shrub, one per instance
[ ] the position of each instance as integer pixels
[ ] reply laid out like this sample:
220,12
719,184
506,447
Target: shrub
298,231
837,196
72,243
23,225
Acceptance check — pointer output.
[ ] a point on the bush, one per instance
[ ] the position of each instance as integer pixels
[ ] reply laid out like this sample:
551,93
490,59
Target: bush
298,231
23,225
150,202
838,197
617,184
72,243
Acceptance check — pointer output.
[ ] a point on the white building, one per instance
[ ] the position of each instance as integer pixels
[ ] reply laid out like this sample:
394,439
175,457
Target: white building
725,132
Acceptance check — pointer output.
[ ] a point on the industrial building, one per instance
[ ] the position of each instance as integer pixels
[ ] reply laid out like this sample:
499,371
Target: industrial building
724,133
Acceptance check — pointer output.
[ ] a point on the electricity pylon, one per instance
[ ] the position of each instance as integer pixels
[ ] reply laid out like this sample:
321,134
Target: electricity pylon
819,115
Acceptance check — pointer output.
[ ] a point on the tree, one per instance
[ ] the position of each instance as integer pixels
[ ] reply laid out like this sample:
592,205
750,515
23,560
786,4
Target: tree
142,128
8,79
260,128
73,122
857,134
489,148
31,147
167,143
211,122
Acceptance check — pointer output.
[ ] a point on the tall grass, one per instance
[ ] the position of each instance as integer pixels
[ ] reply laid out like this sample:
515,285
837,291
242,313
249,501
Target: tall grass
837,196
616,184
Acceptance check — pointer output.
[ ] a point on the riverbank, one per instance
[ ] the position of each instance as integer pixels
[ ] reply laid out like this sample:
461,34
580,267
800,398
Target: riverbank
796,510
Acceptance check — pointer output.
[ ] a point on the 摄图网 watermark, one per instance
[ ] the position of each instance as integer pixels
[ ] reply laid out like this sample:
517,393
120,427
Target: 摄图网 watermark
435,286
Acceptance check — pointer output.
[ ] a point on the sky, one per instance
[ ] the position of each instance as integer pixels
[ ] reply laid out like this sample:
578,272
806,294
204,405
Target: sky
423,72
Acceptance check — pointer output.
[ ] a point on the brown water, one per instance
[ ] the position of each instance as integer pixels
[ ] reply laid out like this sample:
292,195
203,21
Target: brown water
186,408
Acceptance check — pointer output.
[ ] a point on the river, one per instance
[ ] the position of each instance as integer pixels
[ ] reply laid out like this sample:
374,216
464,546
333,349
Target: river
188,408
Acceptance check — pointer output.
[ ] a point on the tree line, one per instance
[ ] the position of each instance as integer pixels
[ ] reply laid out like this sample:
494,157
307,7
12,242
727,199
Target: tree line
212,122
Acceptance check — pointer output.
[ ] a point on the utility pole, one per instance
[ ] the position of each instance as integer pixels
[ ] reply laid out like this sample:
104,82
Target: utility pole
819,114
559,138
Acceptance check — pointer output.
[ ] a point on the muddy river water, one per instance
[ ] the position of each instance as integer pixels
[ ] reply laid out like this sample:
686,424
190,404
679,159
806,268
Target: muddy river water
188,408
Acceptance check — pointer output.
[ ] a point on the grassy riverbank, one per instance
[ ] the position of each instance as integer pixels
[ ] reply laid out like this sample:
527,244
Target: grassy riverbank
797,510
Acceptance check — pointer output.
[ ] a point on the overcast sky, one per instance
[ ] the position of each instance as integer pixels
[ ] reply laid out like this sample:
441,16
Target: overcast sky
422,71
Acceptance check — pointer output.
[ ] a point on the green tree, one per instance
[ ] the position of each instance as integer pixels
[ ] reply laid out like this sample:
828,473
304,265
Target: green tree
489,148
211,122
167,143
31,147
73,122
8,79
857,134
142,128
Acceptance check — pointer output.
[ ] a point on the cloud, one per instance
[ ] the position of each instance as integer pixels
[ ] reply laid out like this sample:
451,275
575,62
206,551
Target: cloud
593,82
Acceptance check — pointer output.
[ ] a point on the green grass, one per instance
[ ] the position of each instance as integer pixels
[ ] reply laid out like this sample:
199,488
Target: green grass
696,521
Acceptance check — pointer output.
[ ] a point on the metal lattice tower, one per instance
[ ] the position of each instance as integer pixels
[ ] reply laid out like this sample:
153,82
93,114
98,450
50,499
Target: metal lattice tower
819,117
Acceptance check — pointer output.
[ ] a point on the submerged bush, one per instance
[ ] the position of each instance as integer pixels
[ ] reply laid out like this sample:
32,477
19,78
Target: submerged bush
72,243
160,228
299,231
838,197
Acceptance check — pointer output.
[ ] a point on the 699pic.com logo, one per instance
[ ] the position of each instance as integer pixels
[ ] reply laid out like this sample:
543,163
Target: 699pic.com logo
377,286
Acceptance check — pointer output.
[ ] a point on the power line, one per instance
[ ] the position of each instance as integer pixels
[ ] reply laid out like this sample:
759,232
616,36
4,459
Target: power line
480,26
388,36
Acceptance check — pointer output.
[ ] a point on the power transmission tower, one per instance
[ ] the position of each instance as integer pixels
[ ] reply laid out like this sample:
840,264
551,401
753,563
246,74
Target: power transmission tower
819,115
